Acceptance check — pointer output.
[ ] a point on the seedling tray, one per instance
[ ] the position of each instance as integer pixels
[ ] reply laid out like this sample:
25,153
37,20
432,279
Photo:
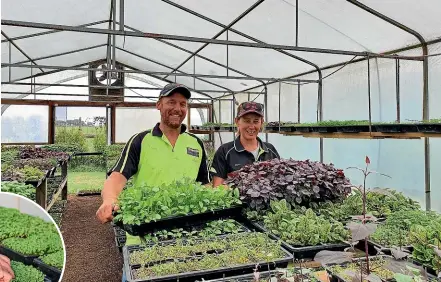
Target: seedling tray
429,127
178,221
396,128
13,255
355,128
323,129
51,272
287,128
202,274
336,277
302,129
301,252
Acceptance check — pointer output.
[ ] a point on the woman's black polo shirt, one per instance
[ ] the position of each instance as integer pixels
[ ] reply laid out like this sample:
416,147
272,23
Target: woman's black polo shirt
232,156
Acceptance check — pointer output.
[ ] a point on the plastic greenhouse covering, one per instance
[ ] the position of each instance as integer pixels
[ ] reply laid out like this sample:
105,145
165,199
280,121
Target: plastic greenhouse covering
324,25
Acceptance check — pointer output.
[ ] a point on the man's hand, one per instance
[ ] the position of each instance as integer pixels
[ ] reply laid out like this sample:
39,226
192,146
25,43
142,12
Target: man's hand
104,213
6,273
113,186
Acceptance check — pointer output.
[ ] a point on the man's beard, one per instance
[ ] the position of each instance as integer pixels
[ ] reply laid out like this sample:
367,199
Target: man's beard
166,120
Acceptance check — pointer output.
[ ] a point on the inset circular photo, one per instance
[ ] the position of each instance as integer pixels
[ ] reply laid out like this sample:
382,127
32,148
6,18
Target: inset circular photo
31,244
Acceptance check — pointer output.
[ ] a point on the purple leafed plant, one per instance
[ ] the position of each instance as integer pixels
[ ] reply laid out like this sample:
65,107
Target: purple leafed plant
299,182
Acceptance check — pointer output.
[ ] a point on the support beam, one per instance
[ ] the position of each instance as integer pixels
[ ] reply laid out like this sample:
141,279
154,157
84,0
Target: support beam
181,73
197,55
19,49
61,54
198,39
241,16
121,15
245,36
154,73
67,103
425,87
50,32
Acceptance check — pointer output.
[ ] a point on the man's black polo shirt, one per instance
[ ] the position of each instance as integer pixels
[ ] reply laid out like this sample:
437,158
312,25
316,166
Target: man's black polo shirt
232,156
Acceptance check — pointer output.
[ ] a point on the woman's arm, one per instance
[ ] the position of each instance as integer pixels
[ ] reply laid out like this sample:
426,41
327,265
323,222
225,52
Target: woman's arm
218,181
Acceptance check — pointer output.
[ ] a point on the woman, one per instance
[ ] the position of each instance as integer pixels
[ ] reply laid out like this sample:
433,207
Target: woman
247,148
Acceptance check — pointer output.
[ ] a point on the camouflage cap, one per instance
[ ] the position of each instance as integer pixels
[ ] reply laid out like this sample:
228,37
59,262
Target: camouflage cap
249,107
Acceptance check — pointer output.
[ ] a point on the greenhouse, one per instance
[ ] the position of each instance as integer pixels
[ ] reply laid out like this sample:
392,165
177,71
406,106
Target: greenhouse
345,180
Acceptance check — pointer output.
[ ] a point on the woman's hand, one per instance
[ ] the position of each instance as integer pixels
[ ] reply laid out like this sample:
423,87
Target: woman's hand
6,273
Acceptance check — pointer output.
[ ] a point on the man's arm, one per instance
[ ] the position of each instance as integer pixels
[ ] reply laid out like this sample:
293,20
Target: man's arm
125,167
113,186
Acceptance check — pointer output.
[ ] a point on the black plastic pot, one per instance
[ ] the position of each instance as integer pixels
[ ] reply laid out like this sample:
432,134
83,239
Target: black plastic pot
429,269
13,255
204,274
178,221
51,272
302,252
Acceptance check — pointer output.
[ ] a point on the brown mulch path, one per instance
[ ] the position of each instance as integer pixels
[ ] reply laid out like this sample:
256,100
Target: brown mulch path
90,246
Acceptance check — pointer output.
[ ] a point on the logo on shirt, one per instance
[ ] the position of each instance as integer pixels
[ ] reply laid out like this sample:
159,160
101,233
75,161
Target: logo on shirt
192,152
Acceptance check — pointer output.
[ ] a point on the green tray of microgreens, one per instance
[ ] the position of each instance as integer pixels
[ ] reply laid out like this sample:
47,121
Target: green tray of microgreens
144,209
24,237
199,258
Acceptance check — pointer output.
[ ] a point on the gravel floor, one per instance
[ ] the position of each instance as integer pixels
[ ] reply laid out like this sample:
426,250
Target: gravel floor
90,246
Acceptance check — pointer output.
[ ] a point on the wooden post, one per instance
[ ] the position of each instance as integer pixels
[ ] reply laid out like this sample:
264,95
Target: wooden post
64,176
41,193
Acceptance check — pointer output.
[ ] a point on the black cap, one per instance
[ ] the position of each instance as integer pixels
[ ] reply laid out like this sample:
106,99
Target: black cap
175,87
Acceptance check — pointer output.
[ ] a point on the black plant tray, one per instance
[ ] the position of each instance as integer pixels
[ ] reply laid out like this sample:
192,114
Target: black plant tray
89,193
199,225
396,128
272,128
13,255
429,269
243,278
323,129
50,271
429,127
178,221
203,274
287,128
337,278
301,252
354,128
304,129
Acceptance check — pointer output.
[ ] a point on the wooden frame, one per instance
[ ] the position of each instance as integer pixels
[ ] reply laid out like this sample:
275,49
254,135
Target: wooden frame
112,105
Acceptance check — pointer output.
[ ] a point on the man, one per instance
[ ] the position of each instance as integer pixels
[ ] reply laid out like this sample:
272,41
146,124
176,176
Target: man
159,156
6,273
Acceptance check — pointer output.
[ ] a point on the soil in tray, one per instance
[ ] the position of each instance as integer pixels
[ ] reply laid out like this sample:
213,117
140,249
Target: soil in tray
240,251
